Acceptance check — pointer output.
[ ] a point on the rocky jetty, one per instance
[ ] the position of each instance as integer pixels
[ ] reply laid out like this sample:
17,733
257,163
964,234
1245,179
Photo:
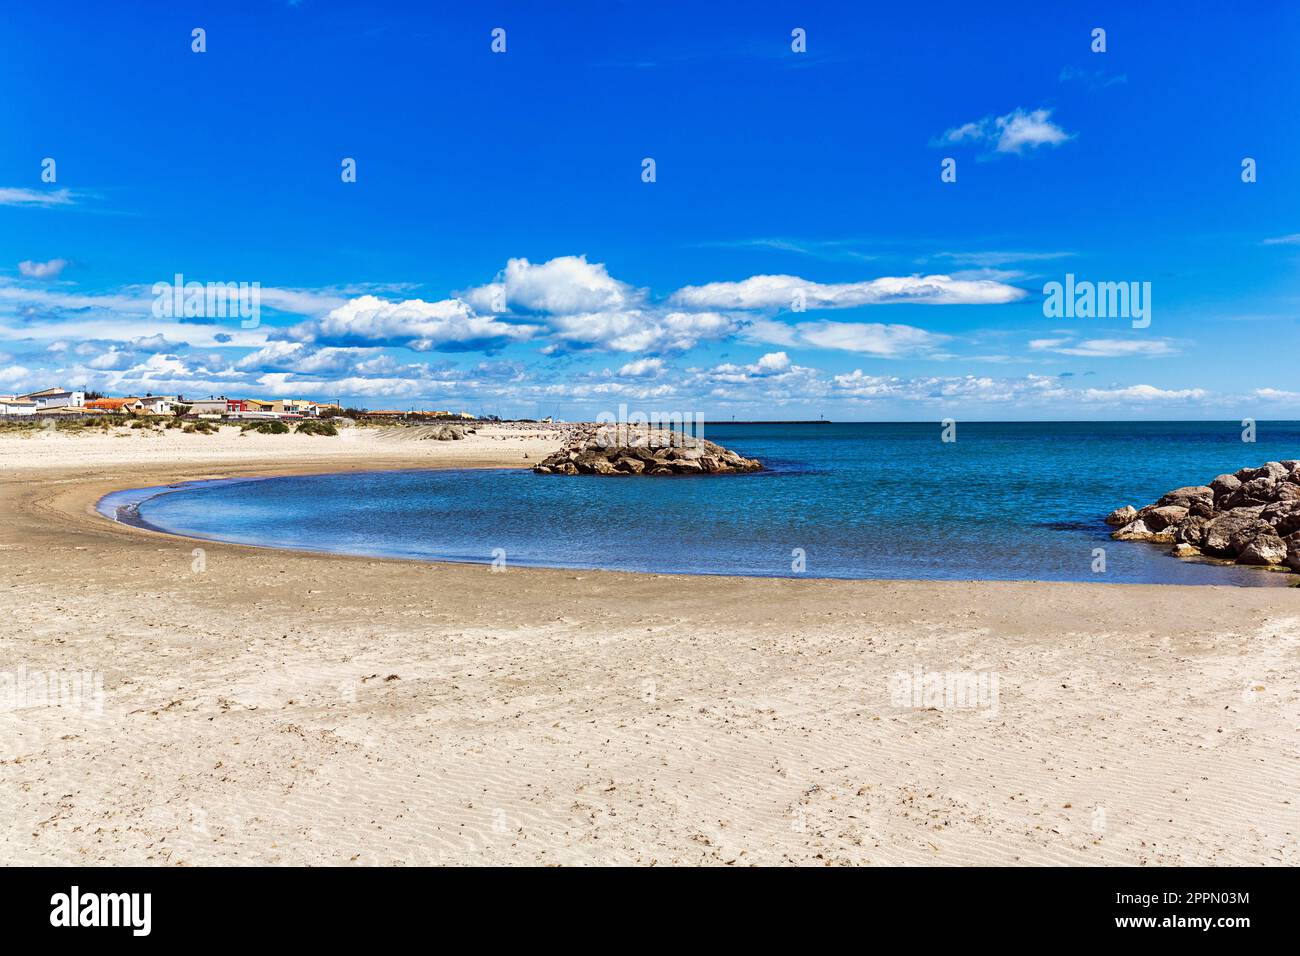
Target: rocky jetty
1250,517
623,451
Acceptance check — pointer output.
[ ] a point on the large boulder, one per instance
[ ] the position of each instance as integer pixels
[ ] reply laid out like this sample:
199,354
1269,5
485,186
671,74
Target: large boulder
1133,531
1293,552
1264,548
1271,469
1158,517
1226,534
1193,496
1122,516
1283,515
1255,491
1191,530
1288,490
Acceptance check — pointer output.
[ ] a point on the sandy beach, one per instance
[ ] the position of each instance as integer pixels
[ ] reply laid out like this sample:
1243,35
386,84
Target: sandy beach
275,707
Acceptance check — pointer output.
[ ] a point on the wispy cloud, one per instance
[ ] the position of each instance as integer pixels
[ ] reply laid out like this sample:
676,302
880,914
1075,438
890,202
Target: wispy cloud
872,338
1292,239
16,196
783,291
1107,348
1092,79
833,250
42,270
996,258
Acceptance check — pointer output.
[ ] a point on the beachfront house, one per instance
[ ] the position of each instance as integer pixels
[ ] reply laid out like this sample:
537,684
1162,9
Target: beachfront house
112,406
293,406
55,398
13,405
157,405
209,406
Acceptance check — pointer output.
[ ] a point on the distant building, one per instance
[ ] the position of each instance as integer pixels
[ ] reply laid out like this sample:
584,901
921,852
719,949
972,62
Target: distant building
113,406
294,406
157,405
206,406
55,398
13,405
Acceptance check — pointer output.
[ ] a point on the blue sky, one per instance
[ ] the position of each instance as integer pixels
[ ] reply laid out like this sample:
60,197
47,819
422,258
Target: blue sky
500,252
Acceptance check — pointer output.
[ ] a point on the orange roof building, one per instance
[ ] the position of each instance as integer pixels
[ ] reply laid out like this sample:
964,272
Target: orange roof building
110,404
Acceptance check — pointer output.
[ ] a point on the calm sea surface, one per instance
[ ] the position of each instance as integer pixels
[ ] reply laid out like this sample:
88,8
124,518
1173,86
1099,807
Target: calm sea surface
1020,501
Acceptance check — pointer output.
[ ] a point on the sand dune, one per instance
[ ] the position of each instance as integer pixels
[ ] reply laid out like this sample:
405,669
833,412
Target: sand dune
280,707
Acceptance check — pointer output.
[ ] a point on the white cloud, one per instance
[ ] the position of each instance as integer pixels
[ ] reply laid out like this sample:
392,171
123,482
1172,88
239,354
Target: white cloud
1030,391
1142,393
767,292
16,376
562,286
638,330
642,368
14,196
112,358
976,389
42,270
874,338
1012,133
447,325
1290,240
302,359
1276,395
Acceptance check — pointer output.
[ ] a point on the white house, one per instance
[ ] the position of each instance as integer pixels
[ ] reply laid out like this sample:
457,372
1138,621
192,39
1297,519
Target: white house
12,405
158,404
55,398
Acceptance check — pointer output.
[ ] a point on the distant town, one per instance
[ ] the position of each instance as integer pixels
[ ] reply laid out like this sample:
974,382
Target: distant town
61,403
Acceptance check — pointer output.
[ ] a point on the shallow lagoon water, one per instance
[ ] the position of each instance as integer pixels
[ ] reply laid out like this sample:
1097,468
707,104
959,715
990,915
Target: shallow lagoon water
1017,501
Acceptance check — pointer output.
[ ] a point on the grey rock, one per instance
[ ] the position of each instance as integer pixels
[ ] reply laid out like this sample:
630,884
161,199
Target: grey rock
1191,530
1159,517
1293,552
1121,516
1284,516
1188,496
1264,548
1133,531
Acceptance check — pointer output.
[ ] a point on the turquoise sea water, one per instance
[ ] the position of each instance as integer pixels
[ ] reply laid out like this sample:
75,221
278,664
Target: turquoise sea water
1011,501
